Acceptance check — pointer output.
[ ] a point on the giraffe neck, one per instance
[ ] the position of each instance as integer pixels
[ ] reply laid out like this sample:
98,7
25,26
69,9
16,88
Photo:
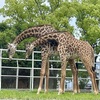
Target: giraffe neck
49,38
54,39
36,32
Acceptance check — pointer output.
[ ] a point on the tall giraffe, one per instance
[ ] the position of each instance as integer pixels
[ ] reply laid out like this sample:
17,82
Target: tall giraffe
37,32
69,48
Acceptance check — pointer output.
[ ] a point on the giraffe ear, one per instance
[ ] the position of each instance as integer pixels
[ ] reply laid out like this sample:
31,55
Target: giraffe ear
8,44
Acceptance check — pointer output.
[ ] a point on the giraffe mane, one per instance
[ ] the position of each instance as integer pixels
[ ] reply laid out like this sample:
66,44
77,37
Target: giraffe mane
41,25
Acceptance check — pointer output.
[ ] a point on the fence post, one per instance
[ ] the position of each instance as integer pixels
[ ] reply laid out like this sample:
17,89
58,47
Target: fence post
99,79
30,78
32,72
17,75
0,66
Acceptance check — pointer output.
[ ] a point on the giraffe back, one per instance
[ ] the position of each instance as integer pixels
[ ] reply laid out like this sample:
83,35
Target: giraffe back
67,45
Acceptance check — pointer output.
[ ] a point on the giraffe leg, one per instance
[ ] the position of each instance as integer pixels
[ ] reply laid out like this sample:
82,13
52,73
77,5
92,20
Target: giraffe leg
63,86
93,79
92,75
47,76
75,76
43,68
63,74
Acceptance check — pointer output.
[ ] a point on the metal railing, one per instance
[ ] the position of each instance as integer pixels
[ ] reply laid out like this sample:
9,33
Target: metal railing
31,77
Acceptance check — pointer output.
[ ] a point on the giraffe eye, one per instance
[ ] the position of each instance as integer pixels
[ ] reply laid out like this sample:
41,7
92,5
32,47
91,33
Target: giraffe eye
8,50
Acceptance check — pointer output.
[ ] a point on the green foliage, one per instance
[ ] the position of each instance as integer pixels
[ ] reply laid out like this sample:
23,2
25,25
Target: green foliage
23,14
5,38
3,27
88,21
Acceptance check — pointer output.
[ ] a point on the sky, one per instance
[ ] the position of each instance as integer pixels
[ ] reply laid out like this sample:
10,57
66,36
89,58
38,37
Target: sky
1,5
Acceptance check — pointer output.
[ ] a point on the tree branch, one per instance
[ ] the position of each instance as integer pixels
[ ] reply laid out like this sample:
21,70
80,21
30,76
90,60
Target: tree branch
39,8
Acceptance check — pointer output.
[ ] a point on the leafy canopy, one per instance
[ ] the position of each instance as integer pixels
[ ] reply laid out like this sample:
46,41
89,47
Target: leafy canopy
22,14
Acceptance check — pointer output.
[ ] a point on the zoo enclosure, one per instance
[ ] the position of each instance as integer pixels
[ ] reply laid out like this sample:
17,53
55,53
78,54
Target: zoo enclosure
11,78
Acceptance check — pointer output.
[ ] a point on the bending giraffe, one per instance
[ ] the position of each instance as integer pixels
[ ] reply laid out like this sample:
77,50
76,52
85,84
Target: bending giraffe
37,32
69,48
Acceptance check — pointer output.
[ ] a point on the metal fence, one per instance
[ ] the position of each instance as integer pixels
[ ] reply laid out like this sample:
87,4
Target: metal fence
27,76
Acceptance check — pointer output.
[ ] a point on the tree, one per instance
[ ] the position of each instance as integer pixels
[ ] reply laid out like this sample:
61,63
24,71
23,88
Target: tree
23,14
5,35
88,20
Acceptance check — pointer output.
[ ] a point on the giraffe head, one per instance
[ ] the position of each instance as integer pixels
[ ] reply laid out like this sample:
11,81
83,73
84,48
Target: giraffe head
29,49
11,50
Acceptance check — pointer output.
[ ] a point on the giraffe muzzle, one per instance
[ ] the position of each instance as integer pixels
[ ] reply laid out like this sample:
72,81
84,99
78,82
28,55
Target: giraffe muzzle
26,57
10,58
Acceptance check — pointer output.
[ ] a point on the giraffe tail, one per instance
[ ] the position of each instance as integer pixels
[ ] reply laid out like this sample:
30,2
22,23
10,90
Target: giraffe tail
93,60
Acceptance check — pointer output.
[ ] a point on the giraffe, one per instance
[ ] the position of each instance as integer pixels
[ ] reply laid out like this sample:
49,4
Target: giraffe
69,48
37,32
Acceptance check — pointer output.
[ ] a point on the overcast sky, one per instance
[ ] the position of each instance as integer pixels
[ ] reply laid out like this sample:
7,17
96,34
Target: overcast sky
1,5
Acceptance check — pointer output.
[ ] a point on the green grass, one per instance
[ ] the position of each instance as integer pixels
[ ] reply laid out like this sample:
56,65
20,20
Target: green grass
51,95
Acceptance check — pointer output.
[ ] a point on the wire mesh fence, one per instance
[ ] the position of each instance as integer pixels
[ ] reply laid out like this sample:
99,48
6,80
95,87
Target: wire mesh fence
25,74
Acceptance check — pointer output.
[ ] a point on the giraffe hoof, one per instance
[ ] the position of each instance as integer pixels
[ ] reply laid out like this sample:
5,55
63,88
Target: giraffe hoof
96,92
75,91
39,89
60,92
